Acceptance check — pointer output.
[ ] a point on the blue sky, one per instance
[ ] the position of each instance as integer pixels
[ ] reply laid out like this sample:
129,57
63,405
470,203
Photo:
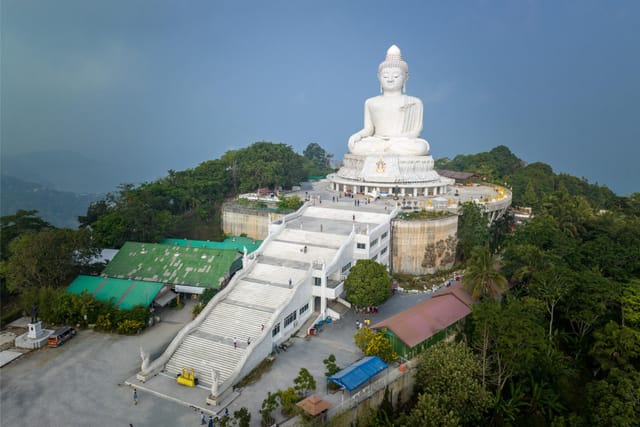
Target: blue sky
158,85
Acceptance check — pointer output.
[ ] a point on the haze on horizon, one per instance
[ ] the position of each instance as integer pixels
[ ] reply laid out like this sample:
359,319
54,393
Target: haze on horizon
148,87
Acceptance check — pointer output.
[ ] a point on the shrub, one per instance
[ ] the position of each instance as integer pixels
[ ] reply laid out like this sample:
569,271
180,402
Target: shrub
130,327
288,399
103,322
197,309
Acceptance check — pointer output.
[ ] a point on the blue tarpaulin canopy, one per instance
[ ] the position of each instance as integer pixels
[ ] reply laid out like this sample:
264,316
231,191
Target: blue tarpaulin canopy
360,372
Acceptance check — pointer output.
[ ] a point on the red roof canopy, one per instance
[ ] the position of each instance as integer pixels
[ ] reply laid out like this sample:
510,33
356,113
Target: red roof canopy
427,318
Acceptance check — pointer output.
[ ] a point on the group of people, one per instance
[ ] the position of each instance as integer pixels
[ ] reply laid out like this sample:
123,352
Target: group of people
360,324
212,421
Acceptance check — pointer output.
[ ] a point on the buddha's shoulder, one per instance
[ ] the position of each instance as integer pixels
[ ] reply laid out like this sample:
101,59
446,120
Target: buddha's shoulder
374,100
381,100
412,100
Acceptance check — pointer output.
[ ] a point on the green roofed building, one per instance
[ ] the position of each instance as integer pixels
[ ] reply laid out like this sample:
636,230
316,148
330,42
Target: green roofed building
124,293
187,267
231,243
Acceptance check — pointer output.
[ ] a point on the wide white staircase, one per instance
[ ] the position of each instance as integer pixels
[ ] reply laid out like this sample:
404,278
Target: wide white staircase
254,299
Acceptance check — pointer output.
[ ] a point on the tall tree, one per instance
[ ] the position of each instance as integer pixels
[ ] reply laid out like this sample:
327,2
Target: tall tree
320,159
304,382
473,230
48,258
481,277
450,373
12,226
368,283
550,287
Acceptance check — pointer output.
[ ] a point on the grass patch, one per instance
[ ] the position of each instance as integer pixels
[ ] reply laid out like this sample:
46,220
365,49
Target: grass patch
424,214
257,372
426,281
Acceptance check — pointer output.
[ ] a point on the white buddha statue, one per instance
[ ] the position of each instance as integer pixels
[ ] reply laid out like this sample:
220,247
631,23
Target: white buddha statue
393,120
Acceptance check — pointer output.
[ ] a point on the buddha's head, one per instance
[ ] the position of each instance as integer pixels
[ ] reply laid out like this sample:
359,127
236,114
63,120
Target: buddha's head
393,72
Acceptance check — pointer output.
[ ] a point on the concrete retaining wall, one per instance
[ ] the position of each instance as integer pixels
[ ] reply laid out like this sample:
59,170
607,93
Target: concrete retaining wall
423,246
240,220
371,396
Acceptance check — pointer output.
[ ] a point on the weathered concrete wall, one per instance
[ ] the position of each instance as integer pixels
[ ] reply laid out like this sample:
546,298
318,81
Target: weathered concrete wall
254,223
423,246
370,397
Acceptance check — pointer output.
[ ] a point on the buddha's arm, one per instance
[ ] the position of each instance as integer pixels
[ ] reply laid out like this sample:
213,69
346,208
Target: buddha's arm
368,127
412,123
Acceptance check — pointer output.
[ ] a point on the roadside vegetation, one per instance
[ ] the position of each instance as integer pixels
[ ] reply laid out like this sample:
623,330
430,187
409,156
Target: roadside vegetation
555,336
557,344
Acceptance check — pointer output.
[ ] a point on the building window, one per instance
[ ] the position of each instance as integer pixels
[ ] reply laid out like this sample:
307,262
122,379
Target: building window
346,268
384,235
374,242
276,330
375,257
361,246
304,308
317,281
290,319
383,251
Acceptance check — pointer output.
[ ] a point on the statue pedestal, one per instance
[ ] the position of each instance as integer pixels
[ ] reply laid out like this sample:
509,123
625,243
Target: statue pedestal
388,174
35,330
36,337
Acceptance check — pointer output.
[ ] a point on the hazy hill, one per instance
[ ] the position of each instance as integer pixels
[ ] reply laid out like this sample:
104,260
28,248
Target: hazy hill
60,208
63,171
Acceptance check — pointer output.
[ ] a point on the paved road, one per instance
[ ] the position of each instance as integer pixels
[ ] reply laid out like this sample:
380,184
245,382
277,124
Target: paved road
79,384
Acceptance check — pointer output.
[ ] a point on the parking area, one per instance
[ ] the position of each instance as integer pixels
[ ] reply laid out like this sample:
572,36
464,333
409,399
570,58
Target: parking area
83,382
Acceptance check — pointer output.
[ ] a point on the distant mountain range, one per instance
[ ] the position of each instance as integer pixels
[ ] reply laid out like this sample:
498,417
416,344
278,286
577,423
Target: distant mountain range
59,184
60,208
63,171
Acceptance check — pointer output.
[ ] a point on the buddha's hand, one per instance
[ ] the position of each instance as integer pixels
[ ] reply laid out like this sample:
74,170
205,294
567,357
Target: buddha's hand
354,139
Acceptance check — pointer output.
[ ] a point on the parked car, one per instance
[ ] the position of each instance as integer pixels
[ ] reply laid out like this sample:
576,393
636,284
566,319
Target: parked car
60,336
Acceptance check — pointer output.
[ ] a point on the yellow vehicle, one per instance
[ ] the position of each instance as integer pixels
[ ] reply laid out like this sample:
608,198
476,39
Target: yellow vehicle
188,378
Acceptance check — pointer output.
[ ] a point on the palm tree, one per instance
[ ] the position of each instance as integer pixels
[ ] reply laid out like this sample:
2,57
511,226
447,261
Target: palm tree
481,278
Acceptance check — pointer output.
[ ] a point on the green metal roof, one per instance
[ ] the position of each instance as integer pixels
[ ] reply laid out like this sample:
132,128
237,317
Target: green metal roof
230,243
171,264
124,293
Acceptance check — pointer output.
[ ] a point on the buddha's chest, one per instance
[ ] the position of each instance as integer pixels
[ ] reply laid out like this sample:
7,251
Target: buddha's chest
388,114
391,106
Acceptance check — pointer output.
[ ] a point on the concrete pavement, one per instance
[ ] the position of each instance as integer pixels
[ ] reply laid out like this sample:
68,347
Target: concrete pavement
81,383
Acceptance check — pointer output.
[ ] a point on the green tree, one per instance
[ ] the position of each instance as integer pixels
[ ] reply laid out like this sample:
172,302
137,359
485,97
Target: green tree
242,417
450,374
269,404
588,304
631,304
481,277
138,214
509,337
368,283
431,410
12,226
380,346
265,164
51,257
617,347
304,382
473,230
320,159
330,364
292,203
550,287
288,399
363,337
614,401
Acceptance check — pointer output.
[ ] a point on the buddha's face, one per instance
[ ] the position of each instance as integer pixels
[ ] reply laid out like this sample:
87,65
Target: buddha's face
392,79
